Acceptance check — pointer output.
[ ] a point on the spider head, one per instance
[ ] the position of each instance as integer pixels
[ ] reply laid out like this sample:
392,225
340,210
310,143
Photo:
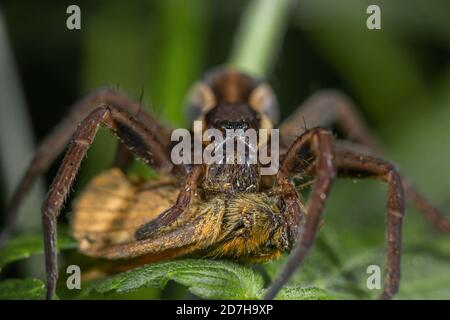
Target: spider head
238,107
225,117
235,96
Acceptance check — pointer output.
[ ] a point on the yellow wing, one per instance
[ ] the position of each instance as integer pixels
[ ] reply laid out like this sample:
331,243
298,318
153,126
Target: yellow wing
111,208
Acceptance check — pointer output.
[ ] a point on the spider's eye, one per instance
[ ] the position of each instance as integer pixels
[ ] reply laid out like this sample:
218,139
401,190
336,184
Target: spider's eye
233,125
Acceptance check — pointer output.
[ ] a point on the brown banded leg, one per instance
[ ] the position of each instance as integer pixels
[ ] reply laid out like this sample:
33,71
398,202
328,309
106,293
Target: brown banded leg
353,165
431,213
173,213
328,107
54,143
167,245
315,145
324,109
131,132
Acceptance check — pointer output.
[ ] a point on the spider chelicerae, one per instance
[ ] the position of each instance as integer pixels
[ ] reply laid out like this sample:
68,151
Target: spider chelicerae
214,210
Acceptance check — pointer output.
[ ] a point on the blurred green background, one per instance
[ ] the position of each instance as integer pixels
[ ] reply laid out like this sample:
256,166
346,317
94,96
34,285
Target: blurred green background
399,77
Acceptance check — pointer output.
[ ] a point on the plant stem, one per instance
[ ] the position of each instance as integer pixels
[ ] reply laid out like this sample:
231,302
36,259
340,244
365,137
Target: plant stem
259,36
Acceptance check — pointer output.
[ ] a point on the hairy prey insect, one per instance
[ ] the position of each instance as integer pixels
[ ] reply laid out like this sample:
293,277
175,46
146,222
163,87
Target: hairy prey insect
217,209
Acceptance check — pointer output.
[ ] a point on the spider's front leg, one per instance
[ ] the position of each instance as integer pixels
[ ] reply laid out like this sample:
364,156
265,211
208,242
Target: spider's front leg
354,165
133,134
173,213
55,142
314,145
317,157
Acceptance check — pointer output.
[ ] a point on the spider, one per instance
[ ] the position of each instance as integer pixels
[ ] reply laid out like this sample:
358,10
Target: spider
214,210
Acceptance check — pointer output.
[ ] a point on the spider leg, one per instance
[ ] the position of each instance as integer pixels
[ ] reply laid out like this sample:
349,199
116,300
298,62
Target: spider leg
132,133
173,213
354,165
324,109
168,245
317,143
431,213
122,157
54,143
328,107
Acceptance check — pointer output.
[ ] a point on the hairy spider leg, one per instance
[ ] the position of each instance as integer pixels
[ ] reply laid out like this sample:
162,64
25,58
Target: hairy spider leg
131,132
55,142
347,164
330,106
317,142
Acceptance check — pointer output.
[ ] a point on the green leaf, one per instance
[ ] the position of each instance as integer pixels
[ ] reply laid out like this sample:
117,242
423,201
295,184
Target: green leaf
349,243
260,35
210,279
22,289
24,246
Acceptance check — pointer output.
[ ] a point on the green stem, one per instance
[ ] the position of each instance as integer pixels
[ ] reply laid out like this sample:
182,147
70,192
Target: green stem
259,36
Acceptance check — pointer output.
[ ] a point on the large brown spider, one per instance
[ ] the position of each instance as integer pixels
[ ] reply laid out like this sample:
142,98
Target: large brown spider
222,210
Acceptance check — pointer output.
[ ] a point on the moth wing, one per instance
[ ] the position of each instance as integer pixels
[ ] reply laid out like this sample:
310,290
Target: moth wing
112,207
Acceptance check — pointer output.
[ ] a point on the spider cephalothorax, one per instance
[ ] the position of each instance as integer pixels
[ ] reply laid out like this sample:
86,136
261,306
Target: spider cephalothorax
216,209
